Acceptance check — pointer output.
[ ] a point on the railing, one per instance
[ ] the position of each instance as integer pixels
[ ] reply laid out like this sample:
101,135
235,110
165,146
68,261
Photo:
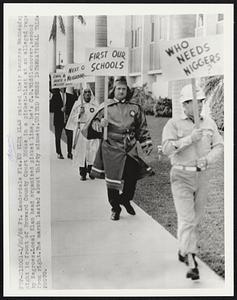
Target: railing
154,57
135,60
219,27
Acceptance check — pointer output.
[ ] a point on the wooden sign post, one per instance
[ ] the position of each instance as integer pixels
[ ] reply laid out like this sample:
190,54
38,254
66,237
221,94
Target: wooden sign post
195,104
106,108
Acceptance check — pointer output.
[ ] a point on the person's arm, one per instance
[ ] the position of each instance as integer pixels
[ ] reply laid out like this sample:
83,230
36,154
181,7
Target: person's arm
52,104
92,129
142,133
171,143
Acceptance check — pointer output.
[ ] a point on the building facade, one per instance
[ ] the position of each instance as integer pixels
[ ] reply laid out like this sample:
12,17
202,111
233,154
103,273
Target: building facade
143,36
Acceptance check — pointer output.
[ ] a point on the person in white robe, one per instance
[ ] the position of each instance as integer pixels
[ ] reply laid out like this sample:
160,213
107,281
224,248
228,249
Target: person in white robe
84,149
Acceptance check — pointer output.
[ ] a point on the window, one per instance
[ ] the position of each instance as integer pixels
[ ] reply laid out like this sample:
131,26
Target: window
152,32
220,17
137,37
162,28
200,20
132,39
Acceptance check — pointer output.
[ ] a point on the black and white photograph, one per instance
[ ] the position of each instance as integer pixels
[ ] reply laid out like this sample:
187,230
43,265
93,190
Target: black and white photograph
118,162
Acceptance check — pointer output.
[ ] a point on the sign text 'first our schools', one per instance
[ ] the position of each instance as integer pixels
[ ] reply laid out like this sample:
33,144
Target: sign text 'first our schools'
107,61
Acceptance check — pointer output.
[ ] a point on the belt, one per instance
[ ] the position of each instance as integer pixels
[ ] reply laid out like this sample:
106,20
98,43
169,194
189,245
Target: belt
186,168
115,129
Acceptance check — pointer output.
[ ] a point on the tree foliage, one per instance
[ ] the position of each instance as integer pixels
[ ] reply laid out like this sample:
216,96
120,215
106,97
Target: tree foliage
214,89
53,32
163,107
81,19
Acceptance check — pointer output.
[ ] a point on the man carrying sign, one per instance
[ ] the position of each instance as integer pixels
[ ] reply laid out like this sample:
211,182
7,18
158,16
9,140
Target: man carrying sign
117,158
193,151
85,150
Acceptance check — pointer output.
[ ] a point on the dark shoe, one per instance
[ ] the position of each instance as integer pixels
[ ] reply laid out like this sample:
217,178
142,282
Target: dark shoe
193,271
83,178
129,209
193,274
60,156
69,156
91,177
115,216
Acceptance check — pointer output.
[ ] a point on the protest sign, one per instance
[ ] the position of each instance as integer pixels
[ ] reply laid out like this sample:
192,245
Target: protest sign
58,80
75,74
105,61
192,57
70,76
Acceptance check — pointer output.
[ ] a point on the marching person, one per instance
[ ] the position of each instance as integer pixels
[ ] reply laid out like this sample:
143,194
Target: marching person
57,108
117,158
71,97
193,151
85,150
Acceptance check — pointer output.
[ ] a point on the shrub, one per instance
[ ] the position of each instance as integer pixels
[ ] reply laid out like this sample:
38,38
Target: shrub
214,88
144,98
163,107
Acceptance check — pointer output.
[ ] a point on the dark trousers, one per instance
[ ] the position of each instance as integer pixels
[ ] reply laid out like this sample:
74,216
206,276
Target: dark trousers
58,134
130,175
69,134
84,170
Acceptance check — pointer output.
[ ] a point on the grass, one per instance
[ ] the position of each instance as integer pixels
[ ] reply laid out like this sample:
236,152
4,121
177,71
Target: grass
153,195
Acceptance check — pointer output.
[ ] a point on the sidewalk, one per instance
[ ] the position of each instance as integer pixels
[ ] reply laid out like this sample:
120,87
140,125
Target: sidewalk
89,251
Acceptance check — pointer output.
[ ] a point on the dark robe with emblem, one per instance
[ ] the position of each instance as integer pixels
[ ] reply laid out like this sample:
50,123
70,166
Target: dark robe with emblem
127,126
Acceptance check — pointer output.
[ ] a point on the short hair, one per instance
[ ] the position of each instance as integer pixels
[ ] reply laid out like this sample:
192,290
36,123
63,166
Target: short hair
128,96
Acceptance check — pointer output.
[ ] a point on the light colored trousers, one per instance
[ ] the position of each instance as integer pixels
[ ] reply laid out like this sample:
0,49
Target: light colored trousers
190,191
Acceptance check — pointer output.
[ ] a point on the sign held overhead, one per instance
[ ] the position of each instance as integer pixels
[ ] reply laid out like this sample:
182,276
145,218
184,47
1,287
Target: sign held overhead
105,61
71,75
58,80
192,57
75,74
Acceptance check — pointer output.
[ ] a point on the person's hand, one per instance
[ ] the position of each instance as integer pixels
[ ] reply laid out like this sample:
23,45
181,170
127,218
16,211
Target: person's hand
104,122
202,162
82,110
196,135
63,109
97,126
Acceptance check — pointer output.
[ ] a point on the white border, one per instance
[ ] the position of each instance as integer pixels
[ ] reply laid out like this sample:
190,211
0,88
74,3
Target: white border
138,9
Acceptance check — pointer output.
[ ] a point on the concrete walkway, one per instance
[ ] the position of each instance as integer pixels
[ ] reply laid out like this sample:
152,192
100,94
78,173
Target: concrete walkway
92,252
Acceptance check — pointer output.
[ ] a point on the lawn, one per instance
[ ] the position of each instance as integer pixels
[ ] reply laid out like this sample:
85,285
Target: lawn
154,196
